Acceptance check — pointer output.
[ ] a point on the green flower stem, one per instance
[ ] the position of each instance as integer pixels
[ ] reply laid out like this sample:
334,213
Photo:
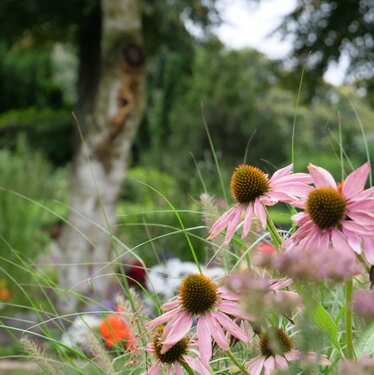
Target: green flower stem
273,231
237,363
187,367
348,319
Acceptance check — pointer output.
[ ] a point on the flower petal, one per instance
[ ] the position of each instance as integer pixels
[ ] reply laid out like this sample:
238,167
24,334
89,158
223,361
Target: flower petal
170,305
233,308
269,365
181,326
355,182
163,318
178,369
226,294
230,326
281,362
255,365
285,171
340,241
321,177
232,225
204,339
196,365
361,217
217,332
155,369
247,220
260,212
222,222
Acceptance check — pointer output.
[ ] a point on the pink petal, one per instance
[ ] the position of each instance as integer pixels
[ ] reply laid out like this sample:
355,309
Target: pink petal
230,326
282,172
217,332
365,204
255,365
369,250
303,178
232,225
222,222
339,241
260,212
233,308
196,365
170,370
356,228
170,305
163,318
247,220
269,365
227,294
204,339
155,369
361,217
353,240
293,355
281,362
355,182
181,326
178,369
278,196
294,188
321,177
280,283
300,218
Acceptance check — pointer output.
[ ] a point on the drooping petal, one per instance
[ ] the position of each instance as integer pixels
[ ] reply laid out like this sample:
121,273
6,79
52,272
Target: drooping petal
339,241
170,305
355,182
281,362
353,240
255,365
222,222
178,369
280,283
230,326
226,294
269,365
247,220
233,308
295,189
170,370
163,318
357,228
369,250
361,204
196,365
293,355
321,177
300,218
204,339
361,217
235,220
155,369
260,212
181,326
217,332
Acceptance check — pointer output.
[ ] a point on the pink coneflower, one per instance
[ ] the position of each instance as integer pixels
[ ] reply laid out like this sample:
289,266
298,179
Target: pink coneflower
199,296
334,216
276,352
260,295
252,189
174,357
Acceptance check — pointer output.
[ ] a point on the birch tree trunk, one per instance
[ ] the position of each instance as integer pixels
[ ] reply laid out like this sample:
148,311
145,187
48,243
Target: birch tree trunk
103,157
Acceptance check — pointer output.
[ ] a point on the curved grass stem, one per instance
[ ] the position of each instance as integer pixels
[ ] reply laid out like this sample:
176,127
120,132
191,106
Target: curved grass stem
236,362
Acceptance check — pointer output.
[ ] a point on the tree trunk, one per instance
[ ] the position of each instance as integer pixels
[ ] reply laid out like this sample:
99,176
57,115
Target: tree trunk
103,157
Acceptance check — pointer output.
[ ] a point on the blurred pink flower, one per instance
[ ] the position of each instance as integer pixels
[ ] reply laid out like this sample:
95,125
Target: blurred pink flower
173,358
276,352
199,296
313,265
363,303
362,366
252,189
334,216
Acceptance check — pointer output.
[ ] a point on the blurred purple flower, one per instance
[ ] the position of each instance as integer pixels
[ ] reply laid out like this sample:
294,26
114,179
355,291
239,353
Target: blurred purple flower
363,303
363,366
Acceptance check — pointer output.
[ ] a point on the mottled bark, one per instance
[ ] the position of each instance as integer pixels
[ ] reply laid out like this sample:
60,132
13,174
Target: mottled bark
103,157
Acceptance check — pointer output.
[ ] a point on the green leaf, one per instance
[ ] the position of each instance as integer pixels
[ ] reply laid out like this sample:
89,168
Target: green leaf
365,343
324,321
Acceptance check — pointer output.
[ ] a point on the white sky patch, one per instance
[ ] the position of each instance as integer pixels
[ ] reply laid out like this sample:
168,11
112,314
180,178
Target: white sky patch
249,24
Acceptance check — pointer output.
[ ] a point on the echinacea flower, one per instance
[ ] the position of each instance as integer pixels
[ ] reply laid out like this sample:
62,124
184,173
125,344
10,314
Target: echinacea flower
260,294
199,296
312,264
174,357
115,330
334,215
252,189
276,351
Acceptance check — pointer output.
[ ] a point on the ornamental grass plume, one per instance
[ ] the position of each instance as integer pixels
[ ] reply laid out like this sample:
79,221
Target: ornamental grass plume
312,264
363,303
213,306
175,357
252,189
276,350
335,216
